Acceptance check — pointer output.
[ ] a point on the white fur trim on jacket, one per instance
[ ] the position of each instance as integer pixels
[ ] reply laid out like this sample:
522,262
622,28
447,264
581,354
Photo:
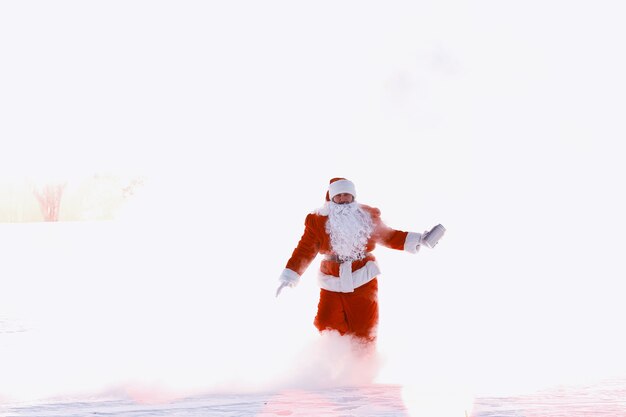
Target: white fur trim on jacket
289,277
413,242
348,280
324,210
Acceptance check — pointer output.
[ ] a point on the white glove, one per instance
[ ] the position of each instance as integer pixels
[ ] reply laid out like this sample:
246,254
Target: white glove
280,288
288,278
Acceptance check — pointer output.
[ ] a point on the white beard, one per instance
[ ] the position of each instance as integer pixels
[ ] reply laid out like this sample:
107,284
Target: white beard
349,227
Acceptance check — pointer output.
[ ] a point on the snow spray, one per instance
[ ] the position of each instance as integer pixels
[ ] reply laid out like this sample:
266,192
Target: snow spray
433,236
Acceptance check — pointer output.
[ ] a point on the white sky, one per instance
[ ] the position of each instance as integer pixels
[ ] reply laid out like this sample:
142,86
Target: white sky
501,120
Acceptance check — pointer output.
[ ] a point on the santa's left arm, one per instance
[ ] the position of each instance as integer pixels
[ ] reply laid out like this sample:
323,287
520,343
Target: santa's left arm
395,239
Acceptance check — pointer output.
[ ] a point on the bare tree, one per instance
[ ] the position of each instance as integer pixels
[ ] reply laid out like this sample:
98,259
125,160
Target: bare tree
49,197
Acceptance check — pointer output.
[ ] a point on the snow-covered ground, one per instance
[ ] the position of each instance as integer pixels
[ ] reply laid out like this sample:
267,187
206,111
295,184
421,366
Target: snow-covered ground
604,400
361,401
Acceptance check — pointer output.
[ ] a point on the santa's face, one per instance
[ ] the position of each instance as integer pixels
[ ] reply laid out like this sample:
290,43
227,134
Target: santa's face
343,198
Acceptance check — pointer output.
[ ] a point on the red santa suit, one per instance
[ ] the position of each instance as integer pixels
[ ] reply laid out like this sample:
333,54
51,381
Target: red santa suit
349,288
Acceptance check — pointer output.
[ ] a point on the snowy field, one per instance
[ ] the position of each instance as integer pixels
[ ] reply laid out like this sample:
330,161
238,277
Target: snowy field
605,400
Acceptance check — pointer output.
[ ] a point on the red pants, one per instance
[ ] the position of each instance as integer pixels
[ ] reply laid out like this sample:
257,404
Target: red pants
354,313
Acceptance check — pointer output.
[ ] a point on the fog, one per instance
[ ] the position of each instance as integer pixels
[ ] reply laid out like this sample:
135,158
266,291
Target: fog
502,122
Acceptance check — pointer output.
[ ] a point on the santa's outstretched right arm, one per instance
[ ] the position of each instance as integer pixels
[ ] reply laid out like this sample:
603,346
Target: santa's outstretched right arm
302,256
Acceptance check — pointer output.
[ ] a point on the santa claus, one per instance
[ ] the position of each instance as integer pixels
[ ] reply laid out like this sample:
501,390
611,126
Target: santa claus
346,233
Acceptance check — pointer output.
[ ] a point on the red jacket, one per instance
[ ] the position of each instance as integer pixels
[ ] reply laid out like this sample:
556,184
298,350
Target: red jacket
343,277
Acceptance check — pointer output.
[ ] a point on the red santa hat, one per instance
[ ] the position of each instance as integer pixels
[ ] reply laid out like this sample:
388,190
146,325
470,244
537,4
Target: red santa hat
339,186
